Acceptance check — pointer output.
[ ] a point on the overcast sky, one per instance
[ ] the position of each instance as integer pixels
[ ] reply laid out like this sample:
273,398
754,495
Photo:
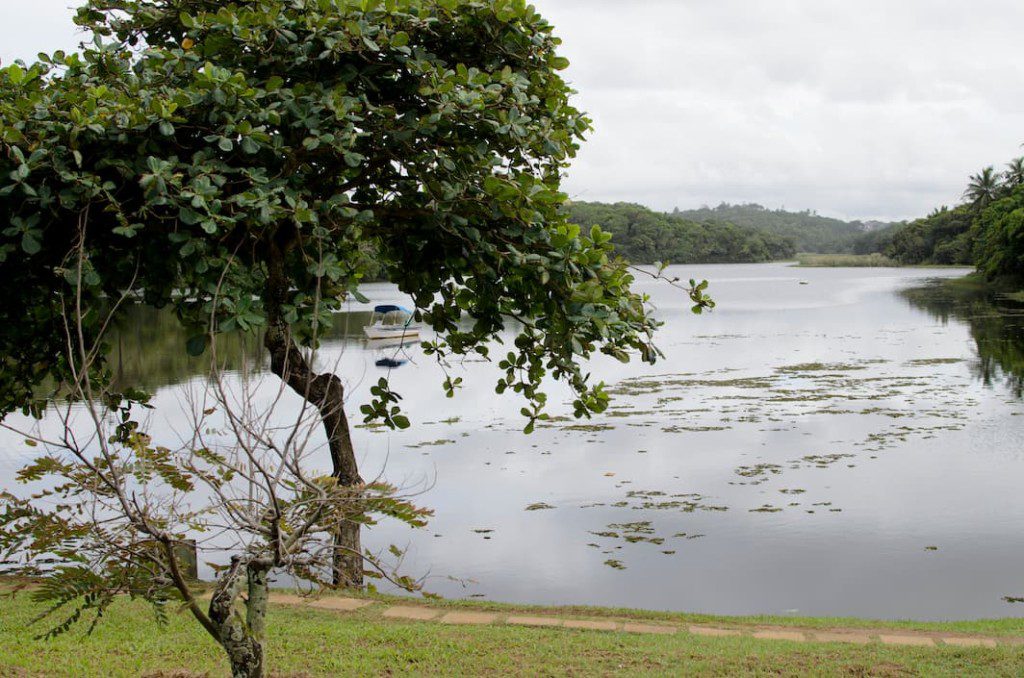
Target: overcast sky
866,109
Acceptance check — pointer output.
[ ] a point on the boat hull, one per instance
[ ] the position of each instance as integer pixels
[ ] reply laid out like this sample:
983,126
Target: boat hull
397,332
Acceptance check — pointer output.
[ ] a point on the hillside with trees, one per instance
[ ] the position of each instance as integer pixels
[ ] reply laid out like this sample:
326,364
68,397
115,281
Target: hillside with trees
644,236
809,231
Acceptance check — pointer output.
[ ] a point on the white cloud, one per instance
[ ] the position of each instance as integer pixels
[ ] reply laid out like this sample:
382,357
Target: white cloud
858,109
867,109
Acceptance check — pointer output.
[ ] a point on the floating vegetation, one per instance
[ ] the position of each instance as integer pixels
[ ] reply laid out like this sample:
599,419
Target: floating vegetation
766,508
661,501
539,506
760,471
824,460
934,361
588,427
825,367
931,548
615,564
693,429
432,443
792,491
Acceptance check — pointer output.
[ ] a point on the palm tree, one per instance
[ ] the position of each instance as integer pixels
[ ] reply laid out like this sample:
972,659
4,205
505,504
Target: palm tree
984,187
1014,175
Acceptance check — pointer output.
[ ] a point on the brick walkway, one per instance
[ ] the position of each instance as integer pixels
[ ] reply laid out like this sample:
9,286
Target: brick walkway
776,633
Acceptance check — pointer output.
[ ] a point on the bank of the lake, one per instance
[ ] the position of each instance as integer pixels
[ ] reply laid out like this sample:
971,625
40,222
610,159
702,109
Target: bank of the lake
305,641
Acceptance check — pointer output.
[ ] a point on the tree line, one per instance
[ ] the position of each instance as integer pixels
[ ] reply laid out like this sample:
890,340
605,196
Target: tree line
985,230
644,236
809,231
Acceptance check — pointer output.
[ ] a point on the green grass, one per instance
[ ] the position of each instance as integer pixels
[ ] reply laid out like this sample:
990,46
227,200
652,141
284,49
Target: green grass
845,260
1011,288
309,642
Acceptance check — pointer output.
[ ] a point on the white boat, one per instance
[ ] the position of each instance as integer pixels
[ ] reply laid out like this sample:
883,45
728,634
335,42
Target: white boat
393,323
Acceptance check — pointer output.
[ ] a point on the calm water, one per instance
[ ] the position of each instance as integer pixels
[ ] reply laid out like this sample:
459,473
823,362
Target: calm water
827,442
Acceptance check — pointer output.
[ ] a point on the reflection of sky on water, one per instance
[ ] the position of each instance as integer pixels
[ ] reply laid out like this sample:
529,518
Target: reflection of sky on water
935,461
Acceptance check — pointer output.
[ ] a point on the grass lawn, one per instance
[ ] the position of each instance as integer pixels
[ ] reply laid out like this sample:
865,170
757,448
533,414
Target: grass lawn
311,642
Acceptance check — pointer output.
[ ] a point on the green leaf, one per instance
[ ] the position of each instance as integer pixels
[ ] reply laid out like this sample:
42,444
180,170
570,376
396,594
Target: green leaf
16,73
29,243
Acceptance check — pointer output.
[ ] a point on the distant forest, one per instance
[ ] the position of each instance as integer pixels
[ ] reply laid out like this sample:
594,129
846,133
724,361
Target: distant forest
724,234
986,230
644,236
809,231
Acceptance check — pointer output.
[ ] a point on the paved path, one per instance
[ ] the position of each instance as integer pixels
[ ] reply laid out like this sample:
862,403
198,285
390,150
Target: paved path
424,613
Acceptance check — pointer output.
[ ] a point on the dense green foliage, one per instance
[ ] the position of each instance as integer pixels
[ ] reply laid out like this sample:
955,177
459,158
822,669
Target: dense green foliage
943,237
643,236
809,231
987,230
1000,246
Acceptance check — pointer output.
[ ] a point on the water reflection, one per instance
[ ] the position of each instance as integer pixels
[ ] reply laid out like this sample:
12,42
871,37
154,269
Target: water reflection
996,324
148,348
802,448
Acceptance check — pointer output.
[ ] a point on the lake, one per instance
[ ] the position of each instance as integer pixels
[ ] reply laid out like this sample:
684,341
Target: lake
826,442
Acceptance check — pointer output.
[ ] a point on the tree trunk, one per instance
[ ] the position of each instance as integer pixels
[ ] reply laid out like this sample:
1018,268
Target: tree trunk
245,652
326,393
256,605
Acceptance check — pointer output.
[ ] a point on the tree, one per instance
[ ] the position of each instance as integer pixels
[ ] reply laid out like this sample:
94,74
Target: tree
1014,175
115,507
999,244
983,188
237,162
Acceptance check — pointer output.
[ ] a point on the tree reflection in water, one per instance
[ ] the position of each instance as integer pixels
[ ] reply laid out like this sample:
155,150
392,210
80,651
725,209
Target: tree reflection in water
996,323
147,350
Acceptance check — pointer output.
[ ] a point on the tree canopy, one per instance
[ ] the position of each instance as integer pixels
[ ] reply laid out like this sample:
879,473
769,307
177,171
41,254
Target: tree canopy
235,160
247,164
1000,246
809,231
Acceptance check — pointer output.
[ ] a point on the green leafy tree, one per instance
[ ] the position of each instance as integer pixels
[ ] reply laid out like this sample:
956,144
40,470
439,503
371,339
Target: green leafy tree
1000,237
983,188
943,237
238,162
1014,174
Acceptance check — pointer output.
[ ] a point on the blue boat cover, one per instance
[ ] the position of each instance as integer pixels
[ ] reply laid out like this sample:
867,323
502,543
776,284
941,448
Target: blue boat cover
388,308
